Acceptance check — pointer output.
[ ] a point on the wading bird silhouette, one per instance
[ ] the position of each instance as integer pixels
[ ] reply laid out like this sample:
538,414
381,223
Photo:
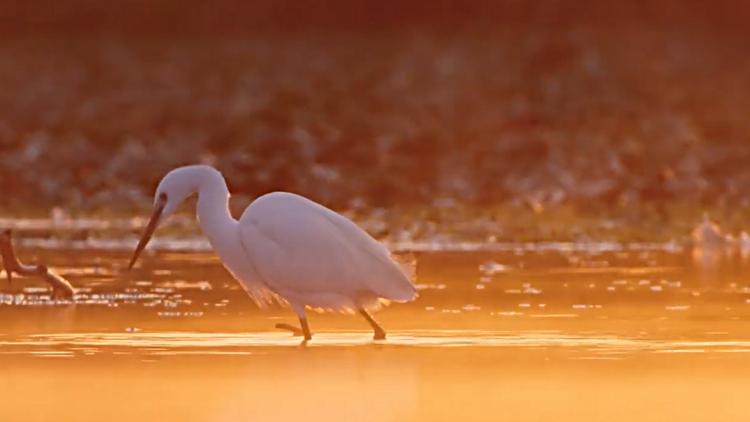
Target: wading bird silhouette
286,246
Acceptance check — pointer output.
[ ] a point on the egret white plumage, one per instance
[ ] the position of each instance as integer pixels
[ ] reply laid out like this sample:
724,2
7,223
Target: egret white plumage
286,246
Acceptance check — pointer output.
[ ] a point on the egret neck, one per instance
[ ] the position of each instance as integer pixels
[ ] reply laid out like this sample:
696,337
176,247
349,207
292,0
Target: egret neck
214,216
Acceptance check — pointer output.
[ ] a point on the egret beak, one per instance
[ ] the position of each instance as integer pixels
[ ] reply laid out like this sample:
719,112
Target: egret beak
150,228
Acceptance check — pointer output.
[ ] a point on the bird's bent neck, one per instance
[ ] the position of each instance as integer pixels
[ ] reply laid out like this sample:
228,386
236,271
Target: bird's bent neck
213,213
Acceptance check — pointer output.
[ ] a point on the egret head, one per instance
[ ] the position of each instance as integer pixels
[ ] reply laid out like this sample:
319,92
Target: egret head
173,189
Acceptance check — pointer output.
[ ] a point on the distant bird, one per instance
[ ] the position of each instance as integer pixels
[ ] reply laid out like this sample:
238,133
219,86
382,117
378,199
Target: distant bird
743,241
287,246
709,235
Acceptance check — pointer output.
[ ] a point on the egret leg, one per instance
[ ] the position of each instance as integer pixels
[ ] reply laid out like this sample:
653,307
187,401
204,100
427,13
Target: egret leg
304,331
379,331
305,328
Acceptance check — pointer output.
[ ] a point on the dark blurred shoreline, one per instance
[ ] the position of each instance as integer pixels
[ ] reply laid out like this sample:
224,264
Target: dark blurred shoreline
190,18
610,105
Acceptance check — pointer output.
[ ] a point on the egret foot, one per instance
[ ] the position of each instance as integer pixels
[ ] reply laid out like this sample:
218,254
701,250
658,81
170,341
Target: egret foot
289,327
379,335
379,332
301,332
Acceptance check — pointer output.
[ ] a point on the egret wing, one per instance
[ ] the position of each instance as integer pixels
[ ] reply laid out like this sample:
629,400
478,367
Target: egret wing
307,252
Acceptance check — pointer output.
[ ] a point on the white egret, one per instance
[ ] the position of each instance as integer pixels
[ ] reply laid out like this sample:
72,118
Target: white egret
286,246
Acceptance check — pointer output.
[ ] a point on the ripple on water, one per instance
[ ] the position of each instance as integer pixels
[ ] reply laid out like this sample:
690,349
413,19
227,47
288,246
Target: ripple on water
173,343
192,286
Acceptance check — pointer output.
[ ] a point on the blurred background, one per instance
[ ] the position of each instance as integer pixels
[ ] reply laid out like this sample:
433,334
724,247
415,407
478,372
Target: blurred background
605,108
539,164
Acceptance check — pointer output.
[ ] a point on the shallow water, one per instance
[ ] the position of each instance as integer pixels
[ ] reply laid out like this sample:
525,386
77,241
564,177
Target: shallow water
524,332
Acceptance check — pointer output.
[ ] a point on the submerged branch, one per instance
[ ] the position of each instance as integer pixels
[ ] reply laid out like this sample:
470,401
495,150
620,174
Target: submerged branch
60,286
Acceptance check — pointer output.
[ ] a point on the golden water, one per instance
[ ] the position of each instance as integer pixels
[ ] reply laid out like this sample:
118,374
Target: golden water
522,335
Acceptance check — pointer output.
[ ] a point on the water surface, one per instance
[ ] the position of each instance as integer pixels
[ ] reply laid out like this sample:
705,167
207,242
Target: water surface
518,333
